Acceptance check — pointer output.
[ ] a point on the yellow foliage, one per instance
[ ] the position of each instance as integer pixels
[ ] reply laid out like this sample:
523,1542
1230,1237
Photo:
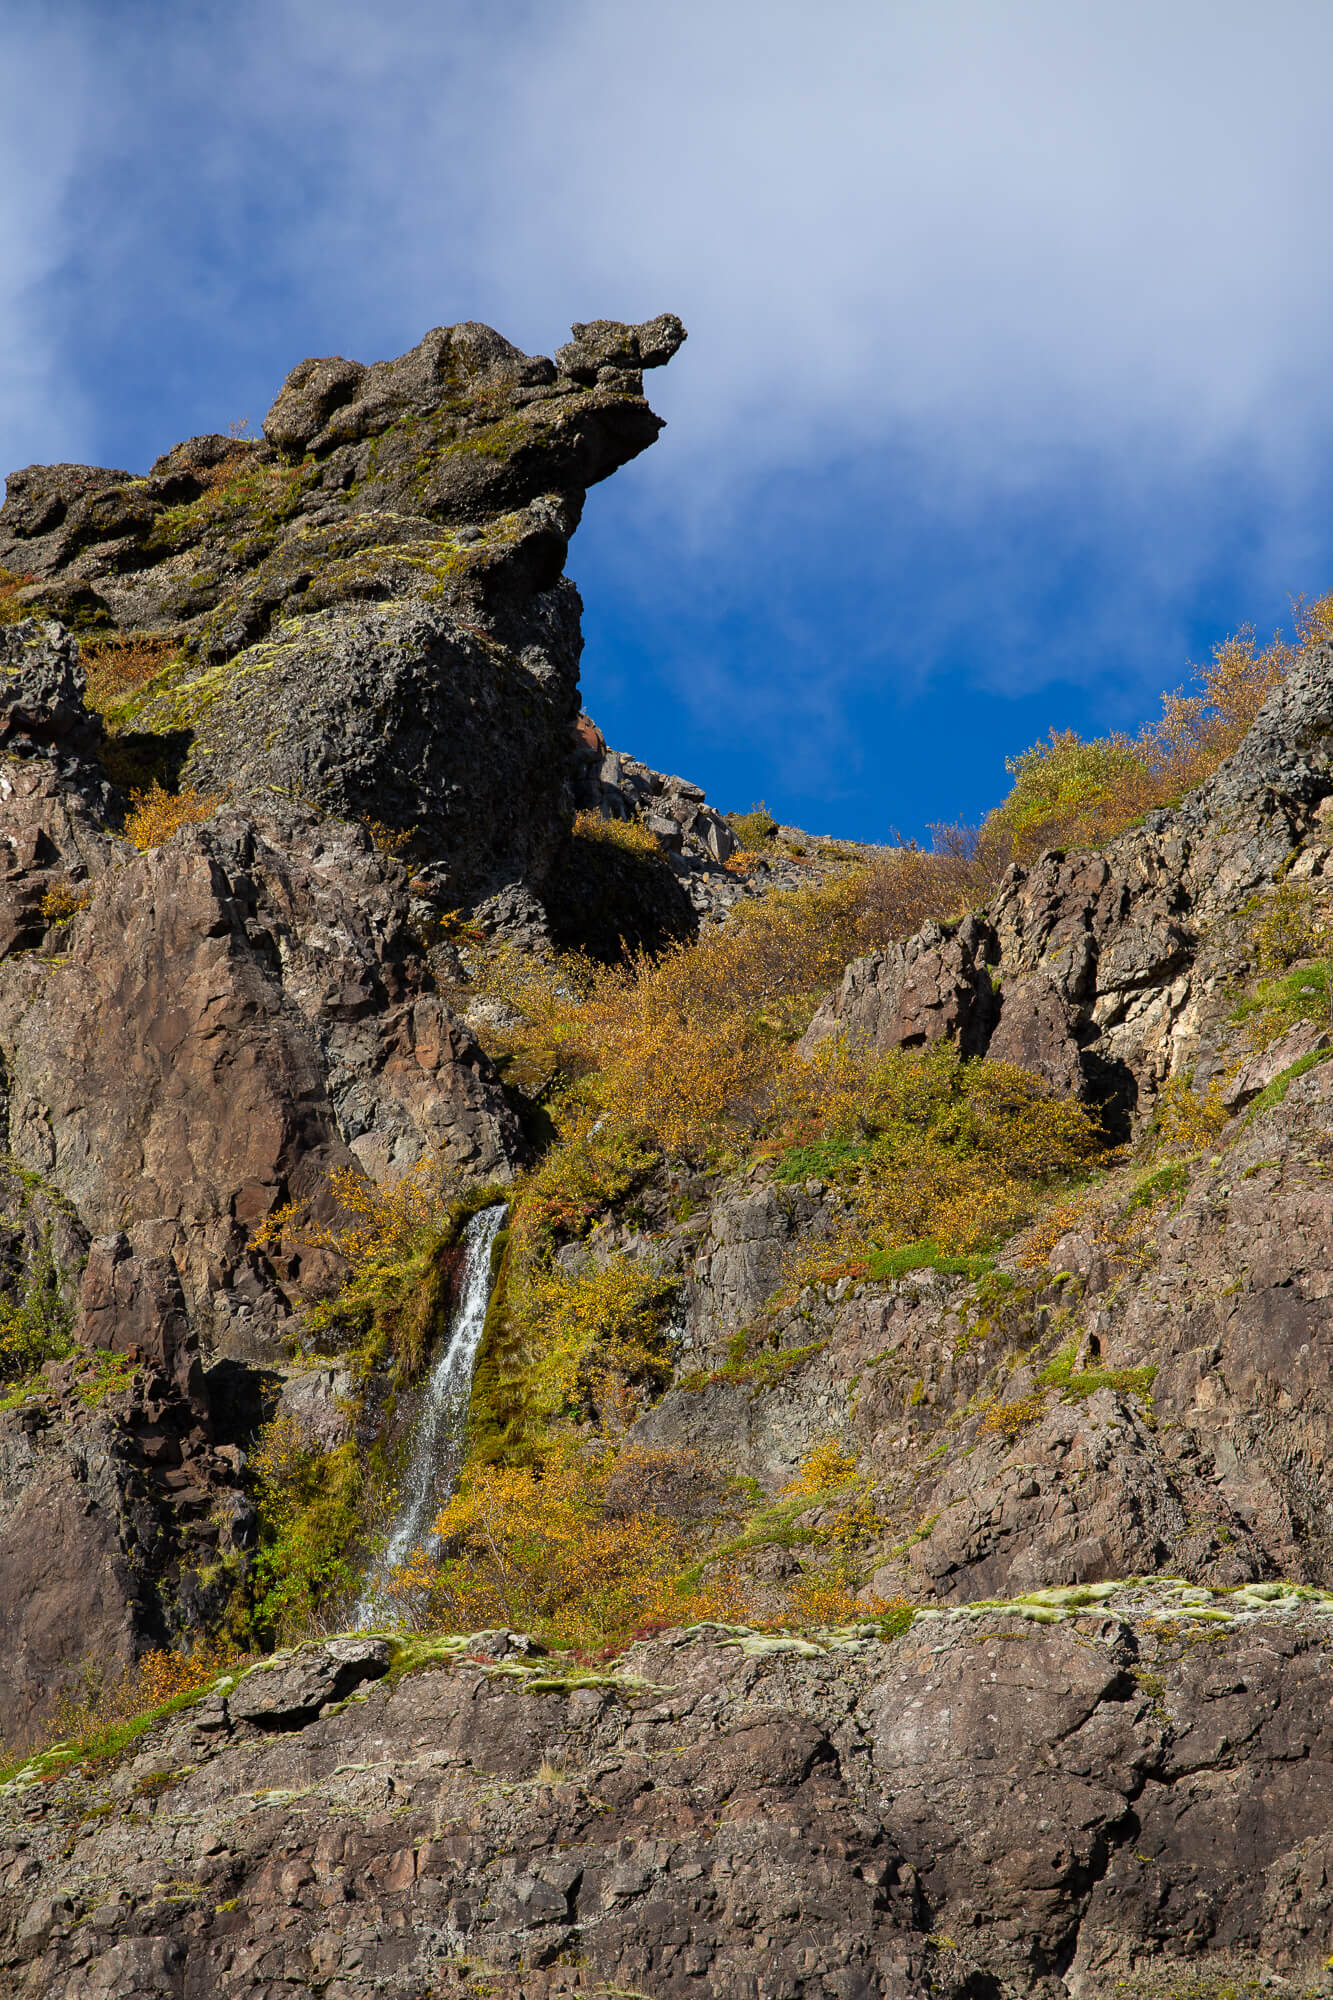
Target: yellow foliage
927,1147
829,1465
1186,1121
116,667
62,900
817,1597
580,1343
122,1694
629,834
544,1550
1010,1420
1286,929
400,1243
1070,792
389,840
156,814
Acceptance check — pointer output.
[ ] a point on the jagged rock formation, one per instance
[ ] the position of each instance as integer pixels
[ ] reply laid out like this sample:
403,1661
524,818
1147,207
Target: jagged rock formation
986,1806
354,637
366,609
1107,972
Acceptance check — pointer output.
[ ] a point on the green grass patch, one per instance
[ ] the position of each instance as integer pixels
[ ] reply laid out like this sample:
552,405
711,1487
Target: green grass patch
98,1747
1163,1184
774,1526
1277,1004
927,1255
1280,1085
823,1161
1073,1384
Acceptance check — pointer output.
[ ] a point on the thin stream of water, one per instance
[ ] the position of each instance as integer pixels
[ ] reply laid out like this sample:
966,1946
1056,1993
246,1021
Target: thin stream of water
439,1425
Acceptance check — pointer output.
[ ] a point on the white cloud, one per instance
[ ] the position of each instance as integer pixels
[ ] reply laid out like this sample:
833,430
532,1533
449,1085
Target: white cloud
1055,261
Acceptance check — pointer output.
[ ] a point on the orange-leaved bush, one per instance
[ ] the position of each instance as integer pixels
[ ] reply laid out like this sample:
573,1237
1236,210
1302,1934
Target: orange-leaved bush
547,1549
156,814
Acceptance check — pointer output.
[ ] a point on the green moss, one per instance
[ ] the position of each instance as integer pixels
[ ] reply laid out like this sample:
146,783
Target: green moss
1061,1374
757,1371
887,1265
1165,1183
1281,1084
499,440
312,1507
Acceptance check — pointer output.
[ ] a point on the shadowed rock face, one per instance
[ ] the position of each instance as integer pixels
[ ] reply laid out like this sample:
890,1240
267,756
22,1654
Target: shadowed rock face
984,1806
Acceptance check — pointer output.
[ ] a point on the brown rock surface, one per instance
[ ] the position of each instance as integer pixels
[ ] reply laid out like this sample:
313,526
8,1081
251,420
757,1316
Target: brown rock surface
987,1805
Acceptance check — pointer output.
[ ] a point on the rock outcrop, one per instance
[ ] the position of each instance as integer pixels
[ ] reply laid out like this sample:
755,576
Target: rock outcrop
1085,1751
1047,1801
1107,972
365,609
349,650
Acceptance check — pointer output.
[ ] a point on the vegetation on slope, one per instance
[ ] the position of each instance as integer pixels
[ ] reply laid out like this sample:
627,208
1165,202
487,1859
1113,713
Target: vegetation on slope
653,1078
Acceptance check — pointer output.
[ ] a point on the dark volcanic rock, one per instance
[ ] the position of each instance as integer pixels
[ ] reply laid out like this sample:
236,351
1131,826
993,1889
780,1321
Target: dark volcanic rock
985,1806
356,638
368,610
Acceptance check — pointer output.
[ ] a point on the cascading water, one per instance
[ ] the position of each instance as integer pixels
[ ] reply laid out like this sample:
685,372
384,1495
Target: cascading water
436,1440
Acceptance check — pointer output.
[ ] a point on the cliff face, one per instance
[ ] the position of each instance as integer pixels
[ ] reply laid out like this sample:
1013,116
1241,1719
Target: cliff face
351,648
364,611
1129,1798
1089,1754
1207,1287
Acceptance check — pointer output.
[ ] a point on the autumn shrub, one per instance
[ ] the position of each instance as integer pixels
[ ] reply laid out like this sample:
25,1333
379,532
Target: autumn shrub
11,583
1070,791
63,901
686,1045
157,1680
1183,1119
156,814
399,1246
539,1548
36,1322
391,841
313,1507
565,1348
830,1464
113,1704
1286,928
926,1147
118,667
630,834
754,829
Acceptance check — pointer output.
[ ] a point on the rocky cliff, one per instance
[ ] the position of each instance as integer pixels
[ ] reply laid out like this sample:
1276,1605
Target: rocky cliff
1078,1745
343,660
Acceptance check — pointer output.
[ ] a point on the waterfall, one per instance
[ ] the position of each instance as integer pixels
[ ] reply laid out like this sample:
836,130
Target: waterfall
437,1437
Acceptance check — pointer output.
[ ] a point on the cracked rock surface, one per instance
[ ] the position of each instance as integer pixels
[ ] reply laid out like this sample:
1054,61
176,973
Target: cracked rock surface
1044,1800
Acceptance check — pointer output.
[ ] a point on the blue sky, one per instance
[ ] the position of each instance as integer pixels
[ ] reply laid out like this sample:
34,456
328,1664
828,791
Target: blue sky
1007,390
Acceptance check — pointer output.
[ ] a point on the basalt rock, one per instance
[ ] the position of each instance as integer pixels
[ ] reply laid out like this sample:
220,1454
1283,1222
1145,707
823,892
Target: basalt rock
365,609
1106,972
986,1805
